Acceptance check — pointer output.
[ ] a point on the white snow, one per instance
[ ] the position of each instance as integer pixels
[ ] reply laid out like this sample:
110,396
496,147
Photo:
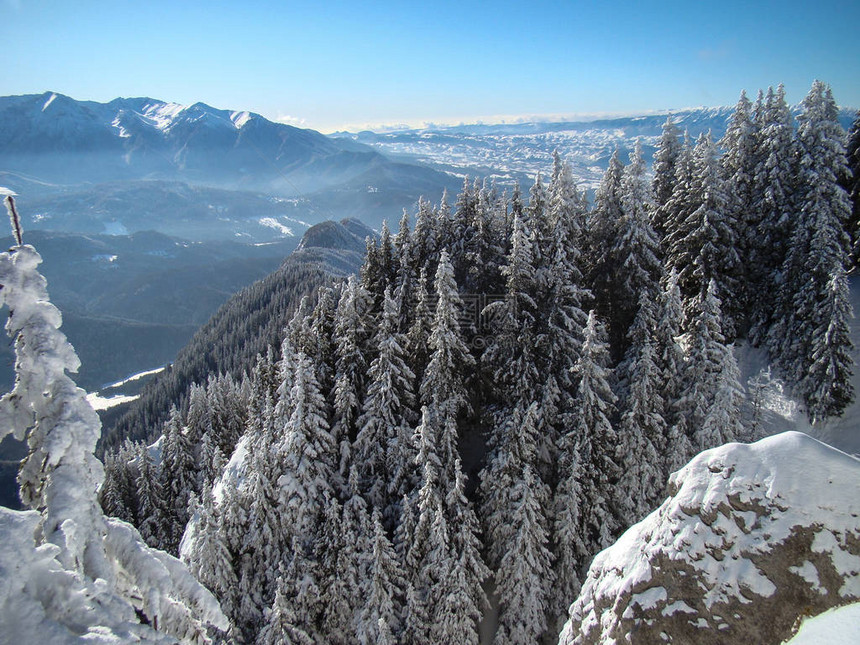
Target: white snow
162,115
271,222
123,133
840,626
105,403
808,572
134,377
49,101
239,119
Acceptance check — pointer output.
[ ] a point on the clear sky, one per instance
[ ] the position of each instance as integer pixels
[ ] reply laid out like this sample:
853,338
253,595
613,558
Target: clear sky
329,65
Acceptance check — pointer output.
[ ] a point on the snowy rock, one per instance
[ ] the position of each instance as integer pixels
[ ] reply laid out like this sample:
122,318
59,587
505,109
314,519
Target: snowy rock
751,539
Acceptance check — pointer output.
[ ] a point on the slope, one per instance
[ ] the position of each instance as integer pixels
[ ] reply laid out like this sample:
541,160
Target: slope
247,325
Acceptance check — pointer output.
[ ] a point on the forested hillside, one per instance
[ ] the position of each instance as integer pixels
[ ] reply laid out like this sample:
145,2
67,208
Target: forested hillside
504,388
250,323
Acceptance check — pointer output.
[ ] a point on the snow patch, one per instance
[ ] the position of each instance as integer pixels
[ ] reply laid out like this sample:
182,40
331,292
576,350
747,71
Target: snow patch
271,222
134,377
49,101
162,115
239,119
808,572
106,403
123,133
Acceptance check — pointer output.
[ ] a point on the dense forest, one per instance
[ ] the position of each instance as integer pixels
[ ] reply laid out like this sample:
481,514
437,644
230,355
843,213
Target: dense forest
505,387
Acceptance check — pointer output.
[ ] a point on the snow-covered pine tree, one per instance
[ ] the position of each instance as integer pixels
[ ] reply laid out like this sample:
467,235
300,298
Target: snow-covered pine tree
710,247
444,386
818,253
665,162
670,323
852,185
283,624
424,239
150,501
122,587
724,422
827,385
774,188
210,560
351,331
511,359
583,522
636,266
379,619
595,435
602,234
178,479
642,428
518,525
309,459
676,211
380,444
739,166
706,359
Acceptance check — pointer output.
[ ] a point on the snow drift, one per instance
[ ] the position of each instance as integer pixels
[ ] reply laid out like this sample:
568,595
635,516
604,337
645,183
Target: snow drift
751,539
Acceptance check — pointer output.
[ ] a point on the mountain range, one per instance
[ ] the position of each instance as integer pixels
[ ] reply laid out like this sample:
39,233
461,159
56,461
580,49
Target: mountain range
71,160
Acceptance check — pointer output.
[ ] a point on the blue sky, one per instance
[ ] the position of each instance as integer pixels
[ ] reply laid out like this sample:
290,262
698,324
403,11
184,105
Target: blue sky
328,65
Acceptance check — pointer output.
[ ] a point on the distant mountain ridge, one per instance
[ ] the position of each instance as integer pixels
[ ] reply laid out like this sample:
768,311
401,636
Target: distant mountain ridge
148,138
59,151
518,151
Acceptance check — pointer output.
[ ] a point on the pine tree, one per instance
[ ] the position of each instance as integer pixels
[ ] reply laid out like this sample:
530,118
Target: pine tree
603,226
665,173
150,502
642,427
518,529
283,624
100,561
210,560
827,386
709,249
379,619
350,335
387,408
676,212
670,322
818,253
510,358
774,187
723,422
703,373
178,479
739,167
852,185
309,456
636,254
594,433
444,387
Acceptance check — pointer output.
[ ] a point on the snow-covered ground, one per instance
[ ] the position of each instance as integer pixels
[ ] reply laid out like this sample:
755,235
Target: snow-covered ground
835,627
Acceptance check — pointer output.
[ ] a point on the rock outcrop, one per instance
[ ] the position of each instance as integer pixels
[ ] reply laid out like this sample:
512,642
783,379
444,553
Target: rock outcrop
752,539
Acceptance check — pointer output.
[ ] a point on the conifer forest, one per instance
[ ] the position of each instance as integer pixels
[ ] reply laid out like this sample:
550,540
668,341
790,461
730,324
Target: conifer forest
438,446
